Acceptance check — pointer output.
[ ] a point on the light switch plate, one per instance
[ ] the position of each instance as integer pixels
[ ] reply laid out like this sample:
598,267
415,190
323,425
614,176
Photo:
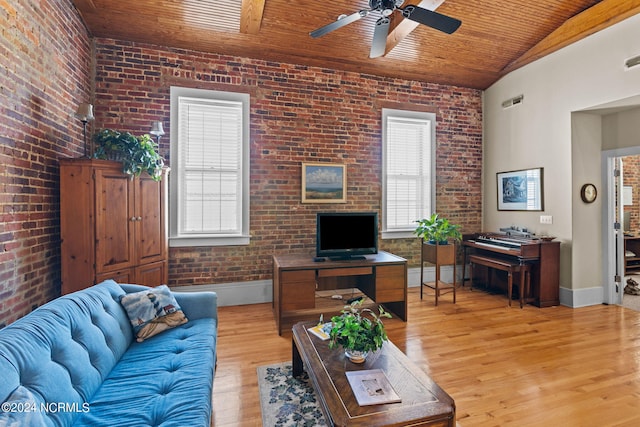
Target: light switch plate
546,219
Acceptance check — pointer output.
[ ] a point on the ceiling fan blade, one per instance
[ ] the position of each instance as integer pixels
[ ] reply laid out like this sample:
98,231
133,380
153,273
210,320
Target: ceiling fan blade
379,43
432,19
339,23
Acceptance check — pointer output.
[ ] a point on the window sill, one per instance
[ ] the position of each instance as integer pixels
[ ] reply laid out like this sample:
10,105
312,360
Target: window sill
400,234
176,242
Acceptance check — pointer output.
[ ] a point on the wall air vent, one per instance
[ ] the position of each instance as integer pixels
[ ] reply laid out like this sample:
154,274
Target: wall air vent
513,101
632,62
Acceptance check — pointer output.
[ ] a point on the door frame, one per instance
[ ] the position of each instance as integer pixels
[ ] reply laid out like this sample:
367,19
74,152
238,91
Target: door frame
613,263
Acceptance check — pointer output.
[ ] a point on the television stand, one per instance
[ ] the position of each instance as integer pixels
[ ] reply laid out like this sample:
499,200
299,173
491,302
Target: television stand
382,277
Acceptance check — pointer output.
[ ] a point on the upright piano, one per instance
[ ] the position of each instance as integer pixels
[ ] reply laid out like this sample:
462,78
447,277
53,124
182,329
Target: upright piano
542,254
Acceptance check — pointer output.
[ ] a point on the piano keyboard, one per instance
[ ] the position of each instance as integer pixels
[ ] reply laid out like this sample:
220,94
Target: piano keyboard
498,243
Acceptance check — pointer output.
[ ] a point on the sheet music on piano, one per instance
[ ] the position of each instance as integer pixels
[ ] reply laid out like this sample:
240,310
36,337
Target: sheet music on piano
516,231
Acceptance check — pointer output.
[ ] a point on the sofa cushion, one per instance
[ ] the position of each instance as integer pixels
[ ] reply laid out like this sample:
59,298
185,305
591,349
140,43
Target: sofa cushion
152,311
164,381
63,351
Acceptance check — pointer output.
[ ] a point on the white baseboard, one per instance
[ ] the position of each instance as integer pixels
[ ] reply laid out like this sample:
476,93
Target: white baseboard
446,275
261,291
237,293
576,298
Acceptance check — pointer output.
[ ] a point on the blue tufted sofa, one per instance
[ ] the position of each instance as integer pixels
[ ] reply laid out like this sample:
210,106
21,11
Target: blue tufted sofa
75,362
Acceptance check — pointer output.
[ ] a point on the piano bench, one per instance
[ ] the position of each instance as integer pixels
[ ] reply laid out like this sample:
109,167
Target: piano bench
510,267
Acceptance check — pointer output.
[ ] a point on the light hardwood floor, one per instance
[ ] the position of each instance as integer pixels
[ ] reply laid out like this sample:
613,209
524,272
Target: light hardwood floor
503,366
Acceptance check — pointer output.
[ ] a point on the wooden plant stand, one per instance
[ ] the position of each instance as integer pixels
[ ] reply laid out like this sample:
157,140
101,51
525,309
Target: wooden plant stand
438,255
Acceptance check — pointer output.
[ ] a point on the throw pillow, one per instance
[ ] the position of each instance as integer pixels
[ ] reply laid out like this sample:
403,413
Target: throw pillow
152,311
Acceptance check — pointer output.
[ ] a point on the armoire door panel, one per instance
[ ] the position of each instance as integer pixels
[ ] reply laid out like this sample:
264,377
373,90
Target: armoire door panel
115,221
120,276
150,232
153,274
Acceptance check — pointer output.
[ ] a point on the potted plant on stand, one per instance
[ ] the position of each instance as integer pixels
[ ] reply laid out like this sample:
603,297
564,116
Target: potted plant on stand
436,232
358,331
137,153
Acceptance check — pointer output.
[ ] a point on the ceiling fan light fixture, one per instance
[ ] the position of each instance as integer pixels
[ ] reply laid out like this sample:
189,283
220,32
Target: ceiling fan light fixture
385,8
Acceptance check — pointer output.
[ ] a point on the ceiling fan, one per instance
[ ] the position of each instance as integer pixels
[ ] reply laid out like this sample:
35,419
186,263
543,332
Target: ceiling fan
385,8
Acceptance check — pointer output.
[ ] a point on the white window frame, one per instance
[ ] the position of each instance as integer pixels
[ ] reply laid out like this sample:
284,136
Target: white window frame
177,237
428,200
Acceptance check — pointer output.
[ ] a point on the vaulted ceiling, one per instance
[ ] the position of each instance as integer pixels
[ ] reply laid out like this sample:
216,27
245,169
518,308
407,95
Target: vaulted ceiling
496,36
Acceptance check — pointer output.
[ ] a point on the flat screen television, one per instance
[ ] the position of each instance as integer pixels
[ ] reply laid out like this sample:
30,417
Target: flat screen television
346,235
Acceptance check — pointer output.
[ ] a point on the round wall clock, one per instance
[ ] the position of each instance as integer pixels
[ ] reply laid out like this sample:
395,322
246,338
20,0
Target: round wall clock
588,193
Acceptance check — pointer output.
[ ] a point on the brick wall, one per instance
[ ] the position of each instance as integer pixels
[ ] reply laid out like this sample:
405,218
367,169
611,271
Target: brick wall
298,114
631,177
44,74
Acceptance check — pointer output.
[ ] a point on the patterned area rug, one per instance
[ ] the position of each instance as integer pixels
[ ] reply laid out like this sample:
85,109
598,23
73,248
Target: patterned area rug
286,401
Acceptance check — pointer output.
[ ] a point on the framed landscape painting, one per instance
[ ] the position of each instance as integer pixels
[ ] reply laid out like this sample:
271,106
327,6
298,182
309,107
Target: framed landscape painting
324,183
520,190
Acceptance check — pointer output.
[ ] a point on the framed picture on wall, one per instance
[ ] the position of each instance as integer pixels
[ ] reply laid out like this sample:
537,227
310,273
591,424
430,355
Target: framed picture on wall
520,190
324,183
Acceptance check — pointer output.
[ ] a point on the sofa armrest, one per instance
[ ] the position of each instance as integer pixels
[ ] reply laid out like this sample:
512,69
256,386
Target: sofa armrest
198,305
195,305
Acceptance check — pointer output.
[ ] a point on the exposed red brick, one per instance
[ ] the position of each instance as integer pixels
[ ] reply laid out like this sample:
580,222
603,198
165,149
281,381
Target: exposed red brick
298,114
43,77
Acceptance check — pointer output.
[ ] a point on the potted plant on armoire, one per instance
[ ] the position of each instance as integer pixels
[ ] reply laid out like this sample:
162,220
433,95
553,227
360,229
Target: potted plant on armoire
438,247
114,213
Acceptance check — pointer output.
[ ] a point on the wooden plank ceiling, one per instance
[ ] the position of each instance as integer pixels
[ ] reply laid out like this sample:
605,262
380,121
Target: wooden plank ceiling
496,36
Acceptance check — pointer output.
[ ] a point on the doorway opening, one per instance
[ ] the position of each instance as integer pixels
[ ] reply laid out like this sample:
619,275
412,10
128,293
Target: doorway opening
629,216
622,226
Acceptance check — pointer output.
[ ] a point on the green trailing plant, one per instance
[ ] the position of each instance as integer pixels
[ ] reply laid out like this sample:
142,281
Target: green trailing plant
137,153
358,329
436,229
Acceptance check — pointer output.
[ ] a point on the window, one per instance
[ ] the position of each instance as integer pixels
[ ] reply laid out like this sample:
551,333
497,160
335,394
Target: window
408,170
209,202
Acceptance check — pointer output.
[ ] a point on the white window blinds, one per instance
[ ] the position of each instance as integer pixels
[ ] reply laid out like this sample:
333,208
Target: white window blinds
210,141
408,166
210,162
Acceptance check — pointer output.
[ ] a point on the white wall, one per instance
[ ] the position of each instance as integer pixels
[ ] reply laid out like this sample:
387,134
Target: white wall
544,131
621,130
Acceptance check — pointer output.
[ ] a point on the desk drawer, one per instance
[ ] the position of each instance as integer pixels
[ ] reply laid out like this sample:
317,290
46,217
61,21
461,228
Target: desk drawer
348,271
298,289
390,283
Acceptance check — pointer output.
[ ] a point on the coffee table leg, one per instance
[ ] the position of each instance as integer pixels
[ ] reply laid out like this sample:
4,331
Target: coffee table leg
296,360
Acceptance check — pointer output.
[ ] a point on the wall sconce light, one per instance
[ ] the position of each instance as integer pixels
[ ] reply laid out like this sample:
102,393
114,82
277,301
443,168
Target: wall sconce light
157,130
85,114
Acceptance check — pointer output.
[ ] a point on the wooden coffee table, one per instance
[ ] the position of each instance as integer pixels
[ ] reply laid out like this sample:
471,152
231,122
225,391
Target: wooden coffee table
424,403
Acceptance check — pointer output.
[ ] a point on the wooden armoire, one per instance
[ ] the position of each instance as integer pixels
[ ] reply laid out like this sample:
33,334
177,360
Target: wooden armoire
112,226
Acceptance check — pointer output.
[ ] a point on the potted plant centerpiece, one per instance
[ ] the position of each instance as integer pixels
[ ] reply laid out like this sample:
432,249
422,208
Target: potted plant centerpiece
137,153
358,330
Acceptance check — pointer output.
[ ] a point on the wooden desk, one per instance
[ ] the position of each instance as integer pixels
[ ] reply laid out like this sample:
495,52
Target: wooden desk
296,277
423,403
